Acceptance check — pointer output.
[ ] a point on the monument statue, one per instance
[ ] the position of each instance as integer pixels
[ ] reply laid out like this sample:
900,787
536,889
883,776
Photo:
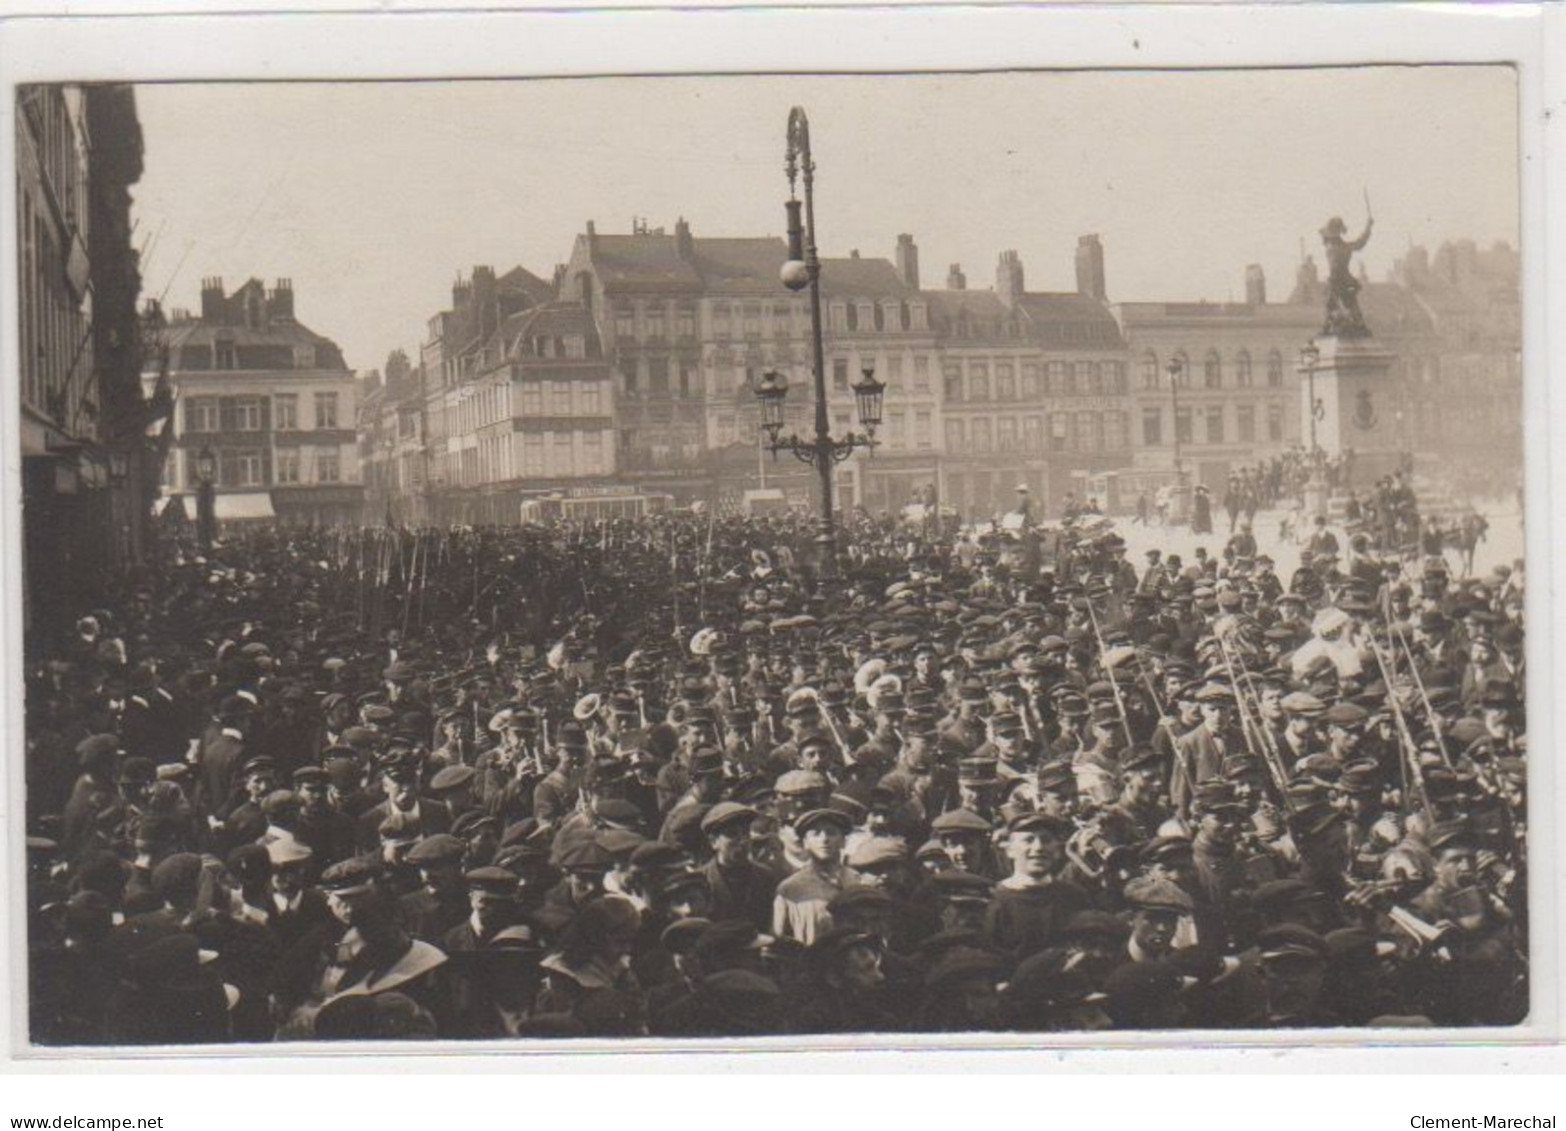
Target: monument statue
1344,319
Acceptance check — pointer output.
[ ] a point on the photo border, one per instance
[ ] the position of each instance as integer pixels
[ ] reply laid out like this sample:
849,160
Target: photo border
430,45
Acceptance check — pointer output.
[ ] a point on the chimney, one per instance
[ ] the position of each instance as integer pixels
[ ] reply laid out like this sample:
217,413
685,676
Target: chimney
908,261
1255,285
1008,278
1090,267
255,304
592,238
280,302
487,313
461,293
1307,282
955,279
853,253
213,308
558,279
683,247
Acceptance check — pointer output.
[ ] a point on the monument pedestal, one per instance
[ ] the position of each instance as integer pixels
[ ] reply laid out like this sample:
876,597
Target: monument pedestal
1358,407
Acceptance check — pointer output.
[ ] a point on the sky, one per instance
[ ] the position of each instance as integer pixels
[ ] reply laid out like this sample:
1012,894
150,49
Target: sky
373,197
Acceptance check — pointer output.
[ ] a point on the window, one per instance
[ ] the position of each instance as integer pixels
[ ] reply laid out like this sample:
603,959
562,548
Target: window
1115,437
1183,425
201,414
532,399
840,373
1005,382
593,453
1089,436
1212,371
1006,433
1033,433
589,399
560,462
921,376
720,320
1275,422
327,466
956,435
752,320
625,323
685,323
247,414
326,410
981,434
1059,379
227,357
1242,370
1152,427
953,379
1215,424
894,369
1032,381
1152,375
1059,432
1275,369
922,430
1089,381
576,346
248,468
894,429
285,412
1182,369
978,381
532,454
559,398
1245,423
658,376
288,466
1114,377
655,323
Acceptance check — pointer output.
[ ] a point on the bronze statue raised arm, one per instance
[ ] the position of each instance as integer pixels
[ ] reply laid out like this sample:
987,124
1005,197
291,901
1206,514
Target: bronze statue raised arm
1344,318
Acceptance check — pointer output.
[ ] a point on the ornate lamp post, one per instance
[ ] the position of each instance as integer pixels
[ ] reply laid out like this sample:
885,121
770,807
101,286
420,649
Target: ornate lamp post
206,503
803,270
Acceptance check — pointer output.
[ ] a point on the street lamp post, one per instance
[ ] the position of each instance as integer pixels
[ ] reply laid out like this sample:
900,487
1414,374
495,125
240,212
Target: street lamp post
206,503
1310,357
1315,487
801,271
1175,368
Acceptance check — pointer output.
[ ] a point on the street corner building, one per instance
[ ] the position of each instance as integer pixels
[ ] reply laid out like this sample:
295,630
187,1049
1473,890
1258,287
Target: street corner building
265,410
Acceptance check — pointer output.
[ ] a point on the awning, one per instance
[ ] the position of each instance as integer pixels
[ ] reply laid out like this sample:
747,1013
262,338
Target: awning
232,508
178,503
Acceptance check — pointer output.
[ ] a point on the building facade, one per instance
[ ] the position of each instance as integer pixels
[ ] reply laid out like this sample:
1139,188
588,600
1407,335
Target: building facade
1033,389
83,422
274,404
1236,398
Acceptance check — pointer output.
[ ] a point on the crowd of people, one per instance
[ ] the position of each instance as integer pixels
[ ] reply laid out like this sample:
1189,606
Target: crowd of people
669,777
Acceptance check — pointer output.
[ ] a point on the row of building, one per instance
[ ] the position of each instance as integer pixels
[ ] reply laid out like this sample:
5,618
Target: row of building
634,369
632,373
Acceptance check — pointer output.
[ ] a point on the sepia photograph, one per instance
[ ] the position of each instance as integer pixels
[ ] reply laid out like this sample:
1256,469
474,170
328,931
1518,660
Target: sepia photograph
1031,552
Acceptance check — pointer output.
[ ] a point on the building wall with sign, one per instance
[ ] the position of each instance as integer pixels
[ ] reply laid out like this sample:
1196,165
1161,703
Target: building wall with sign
82,421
